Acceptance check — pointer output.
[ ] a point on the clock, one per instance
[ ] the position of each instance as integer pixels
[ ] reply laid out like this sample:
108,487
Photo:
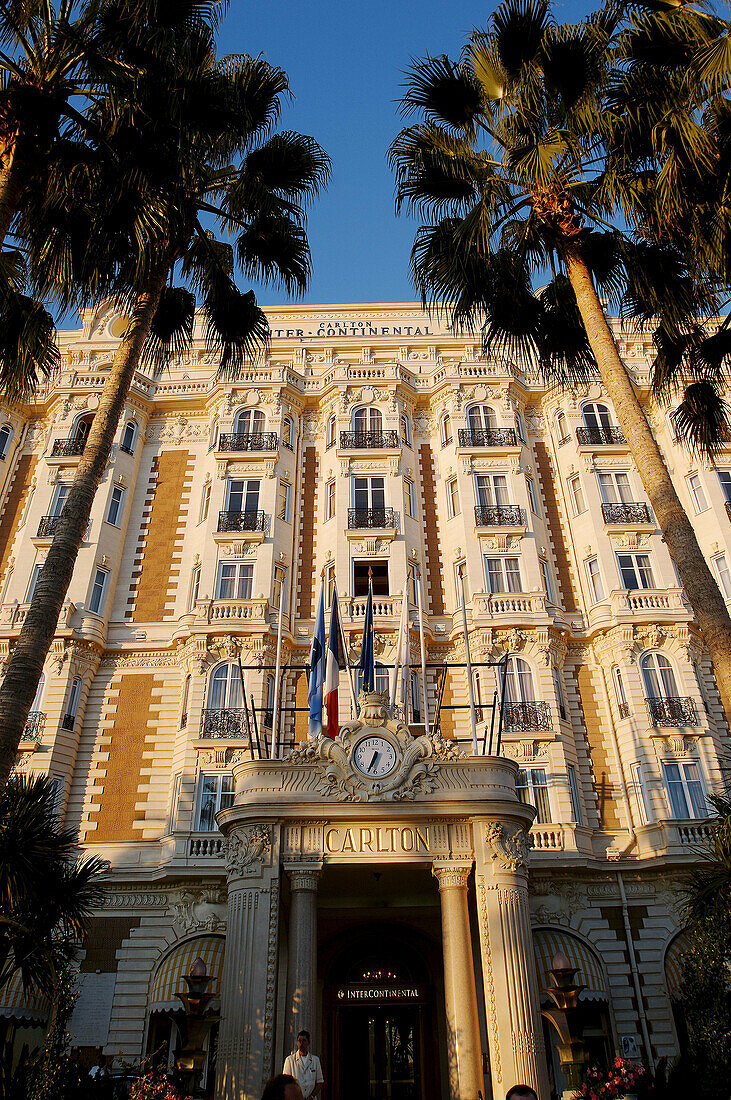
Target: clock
374,757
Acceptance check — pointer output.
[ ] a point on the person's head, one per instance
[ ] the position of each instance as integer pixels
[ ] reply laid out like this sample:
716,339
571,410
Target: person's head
282,1087
303,1041
521,1092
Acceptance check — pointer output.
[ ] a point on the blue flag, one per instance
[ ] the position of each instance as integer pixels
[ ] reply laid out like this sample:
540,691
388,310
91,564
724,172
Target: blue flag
367,656
317,668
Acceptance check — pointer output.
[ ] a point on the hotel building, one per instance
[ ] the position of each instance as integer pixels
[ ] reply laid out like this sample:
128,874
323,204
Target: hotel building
408,923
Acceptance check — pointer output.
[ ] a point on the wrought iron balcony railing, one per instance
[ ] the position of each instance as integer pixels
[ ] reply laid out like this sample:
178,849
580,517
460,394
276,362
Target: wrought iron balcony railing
47,527
64,448
370,517
633,512
248,441
240,521
624,710
370,440
672,712
34,725
534,715
224,723
593,437
498,515
127,450
68,722
487,437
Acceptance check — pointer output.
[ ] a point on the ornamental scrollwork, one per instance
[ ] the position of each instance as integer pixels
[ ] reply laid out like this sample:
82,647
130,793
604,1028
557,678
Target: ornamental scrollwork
510,851
247,848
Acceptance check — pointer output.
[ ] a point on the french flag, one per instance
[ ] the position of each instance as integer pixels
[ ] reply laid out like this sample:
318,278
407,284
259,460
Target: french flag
335,660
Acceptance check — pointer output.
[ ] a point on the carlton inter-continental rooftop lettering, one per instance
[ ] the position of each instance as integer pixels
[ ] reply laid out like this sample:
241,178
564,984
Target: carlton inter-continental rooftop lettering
376,839
329,330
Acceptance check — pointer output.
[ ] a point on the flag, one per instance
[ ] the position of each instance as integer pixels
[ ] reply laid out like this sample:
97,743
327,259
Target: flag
317,668
335,660
367,657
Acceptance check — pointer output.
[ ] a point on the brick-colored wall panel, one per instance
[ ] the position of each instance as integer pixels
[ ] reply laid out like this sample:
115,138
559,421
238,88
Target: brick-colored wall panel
103,939
14,505
161,545
603,786
307,533
555,529
434,592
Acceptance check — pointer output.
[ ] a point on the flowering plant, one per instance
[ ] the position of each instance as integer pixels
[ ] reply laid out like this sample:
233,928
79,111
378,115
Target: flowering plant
156,1085
622,1077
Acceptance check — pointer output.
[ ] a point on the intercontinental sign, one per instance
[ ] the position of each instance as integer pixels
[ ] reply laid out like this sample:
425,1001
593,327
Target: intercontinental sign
330,330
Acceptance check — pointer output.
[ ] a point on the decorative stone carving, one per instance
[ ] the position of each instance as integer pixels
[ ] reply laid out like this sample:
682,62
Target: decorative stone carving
246,849
510,851
199,909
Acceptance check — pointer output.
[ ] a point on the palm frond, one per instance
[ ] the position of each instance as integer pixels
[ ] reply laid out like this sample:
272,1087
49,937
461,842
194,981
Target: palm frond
28,349
703,418
444,92
236,326
171,330
275,250
518,27
292,165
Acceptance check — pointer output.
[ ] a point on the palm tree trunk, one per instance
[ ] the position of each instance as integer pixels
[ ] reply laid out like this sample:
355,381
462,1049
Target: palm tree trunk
704,594
30,650
11,181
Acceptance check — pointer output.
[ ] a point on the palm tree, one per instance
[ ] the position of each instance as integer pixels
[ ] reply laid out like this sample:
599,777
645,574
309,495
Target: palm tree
191,137
507,170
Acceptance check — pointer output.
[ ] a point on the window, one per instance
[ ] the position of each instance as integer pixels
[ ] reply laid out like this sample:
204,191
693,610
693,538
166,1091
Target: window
283,501
697,492
175,801
242,496
574,793
643,801
369,493
367,419
577,495
596,585
614,487
59,498
329,583
72,704
379,578
82,429
636,571
409,497
658,677
412,582
382,680
518,681
186,700
520,425
249,422
461,581
33,581
205,502
492,489
532,495
195,583
114,513
38,697
620,692
330,432
269,708
213,435
445,430
724,575
596,415
6,434
481,418
503,574
724,477
224,688
405,431
685,790
279,586
129,437
547,581
416,699
98,591
287,432
560,697
234,581
453,497
216,792
531,785
330,499
562,428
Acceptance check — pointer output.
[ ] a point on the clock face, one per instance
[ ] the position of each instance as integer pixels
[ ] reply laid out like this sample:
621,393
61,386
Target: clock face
374,757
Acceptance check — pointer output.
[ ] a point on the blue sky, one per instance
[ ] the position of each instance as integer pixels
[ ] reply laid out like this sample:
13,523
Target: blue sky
345,62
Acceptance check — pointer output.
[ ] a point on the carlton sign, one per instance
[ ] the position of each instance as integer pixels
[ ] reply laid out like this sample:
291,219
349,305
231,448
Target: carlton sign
395,840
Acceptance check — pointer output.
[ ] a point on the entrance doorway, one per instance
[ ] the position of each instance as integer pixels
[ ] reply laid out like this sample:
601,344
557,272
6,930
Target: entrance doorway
381,1056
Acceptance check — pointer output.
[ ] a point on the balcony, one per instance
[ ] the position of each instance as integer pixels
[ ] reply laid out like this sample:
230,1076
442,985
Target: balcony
600,437
369,441
209,845
68,722
34,725
672,712
68,448
241,522
633,512
232,724
487,437
534,715
47,527
253,612
248,441
363,519
498,515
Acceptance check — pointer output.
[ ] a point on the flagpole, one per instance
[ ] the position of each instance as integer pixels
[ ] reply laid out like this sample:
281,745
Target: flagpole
473,715
277,677
423,650
398,654
353,701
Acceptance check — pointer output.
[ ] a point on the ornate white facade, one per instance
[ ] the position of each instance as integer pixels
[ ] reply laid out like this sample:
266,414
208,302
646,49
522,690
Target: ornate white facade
368,435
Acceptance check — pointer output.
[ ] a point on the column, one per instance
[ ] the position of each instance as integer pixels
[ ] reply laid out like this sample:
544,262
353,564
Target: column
463,1031
512,1004
248,989
302,964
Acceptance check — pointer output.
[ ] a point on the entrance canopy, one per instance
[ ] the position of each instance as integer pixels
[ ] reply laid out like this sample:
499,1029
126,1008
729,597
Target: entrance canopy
170,974
19,1004
547,941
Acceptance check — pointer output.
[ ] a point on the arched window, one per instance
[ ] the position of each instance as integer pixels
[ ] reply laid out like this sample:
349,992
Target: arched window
249,422
129,437
224,689
518,681
72,705
620,692
82,428
405,431
213,435
6,434
562,428
367,419
481,418
287,432
330,432
38,697
596,415
445,429
658,676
